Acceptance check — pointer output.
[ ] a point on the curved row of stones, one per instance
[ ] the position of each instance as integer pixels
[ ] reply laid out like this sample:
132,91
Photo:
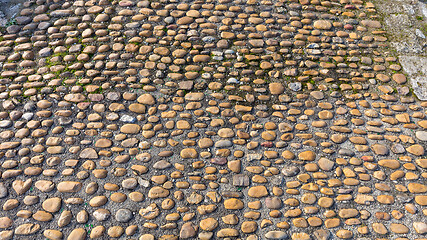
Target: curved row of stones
205,120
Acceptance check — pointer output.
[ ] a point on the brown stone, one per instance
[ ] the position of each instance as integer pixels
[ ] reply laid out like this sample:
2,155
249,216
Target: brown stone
233,203
77,234
189,153
322,25
146,99
208,224
416,149
52,204
158,192
249,226
227,232
307,156
69,186
257,192
417,188
52,234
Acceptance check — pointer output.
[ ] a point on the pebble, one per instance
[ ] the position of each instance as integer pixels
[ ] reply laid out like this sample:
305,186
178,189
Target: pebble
77,234
27,229
276,235
208,224
420,227
257,192
3,190
296,86
188,230
322,24
123,215
52,204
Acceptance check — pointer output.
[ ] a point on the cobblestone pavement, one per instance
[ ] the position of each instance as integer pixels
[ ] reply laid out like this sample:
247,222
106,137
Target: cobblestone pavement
244,119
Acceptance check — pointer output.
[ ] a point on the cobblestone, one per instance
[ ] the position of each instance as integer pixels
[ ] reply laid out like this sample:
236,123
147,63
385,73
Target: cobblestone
202,119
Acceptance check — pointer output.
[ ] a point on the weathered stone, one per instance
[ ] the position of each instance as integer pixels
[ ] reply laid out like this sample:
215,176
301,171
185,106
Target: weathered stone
188,230
158,192
88,153
27,229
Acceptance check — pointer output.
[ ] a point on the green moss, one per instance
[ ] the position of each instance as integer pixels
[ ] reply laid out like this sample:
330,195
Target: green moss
419,18
99,90
61,54
11,22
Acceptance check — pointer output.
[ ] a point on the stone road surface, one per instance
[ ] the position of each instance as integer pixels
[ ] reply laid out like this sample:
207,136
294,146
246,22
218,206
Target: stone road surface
208,119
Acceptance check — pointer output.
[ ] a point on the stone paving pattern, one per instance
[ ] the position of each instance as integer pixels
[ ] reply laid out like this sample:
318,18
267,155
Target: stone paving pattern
244,119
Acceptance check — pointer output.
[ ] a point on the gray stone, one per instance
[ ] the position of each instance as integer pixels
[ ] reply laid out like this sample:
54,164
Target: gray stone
295,86
346,152
421,135
398,148
113,96
322,234
169,20
27,116
326,164
129,183
290,171
233,80
63,121
240,180
273,202
223,144
254,156
162,164
276,235
3,190
45,52
420,227
123,215
5,123
208,39
219,160
128,119
23,20
186,85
